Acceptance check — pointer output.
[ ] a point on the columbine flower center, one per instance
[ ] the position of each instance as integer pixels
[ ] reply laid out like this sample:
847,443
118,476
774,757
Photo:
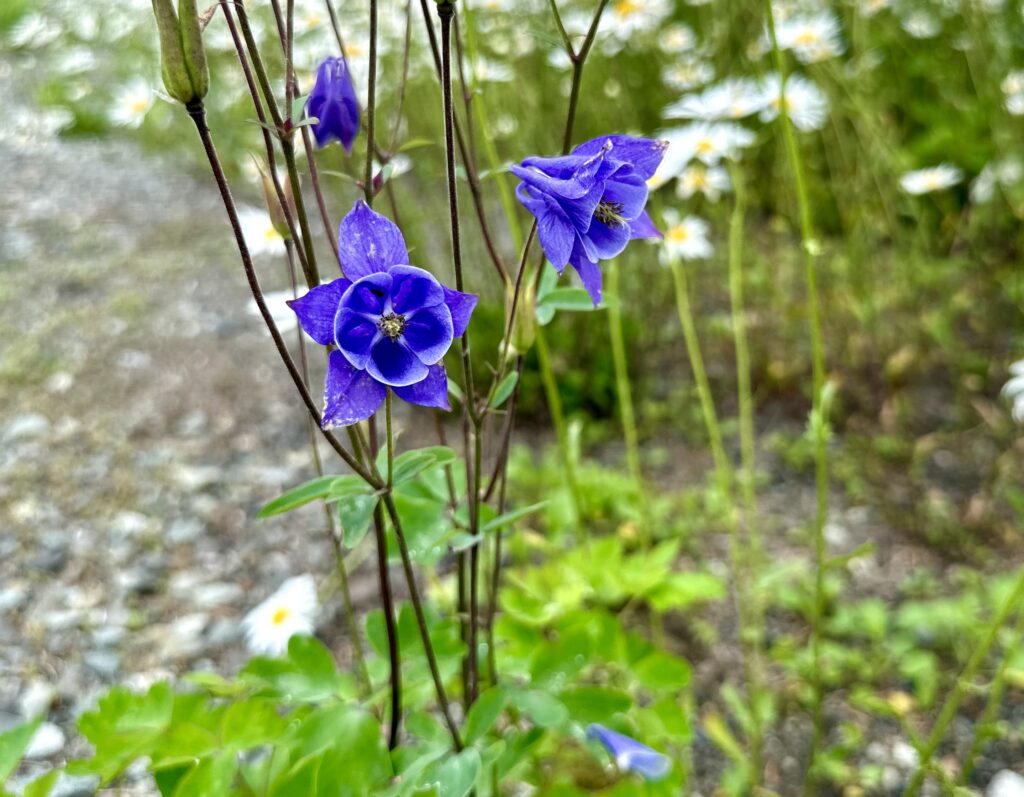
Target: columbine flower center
609,213
392,325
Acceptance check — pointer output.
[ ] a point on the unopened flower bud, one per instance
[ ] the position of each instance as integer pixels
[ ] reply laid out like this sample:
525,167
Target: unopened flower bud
278,214
182,59
524,325
334,104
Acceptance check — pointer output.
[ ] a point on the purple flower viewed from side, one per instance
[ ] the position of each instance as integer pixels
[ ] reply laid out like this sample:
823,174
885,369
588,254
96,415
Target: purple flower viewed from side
333,103
391,322
630,755
590,203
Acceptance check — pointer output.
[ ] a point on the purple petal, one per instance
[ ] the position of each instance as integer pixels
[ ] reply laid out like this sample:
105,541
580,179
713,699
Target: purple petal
316,309
644,154
629,190
432,391
581,211
413,288
556,236
368,296
567,177
428,333
608,240
631,755
643,227
350,395
590,274
369,242
461,306
355,334
393,364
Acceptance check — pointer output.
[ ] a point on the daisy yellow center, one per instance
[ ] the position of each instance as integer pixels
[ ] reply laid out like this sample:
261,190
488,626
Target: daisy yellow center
705,146
353,49
932,182
138,106
678,234
807,38
625,8
270,234
699,178
280,615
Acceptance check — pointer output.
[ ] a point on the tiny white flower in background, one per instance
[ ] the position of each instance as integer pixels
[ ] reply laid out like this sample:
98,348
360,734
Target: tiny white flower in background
934,178
289,611
811,37
1014,390
1013,88
677,38
34,30
259,233
131,104
868,8
687,73
686,237
921,25
625,19
806,104
1004,173
487,71
711,181
734,98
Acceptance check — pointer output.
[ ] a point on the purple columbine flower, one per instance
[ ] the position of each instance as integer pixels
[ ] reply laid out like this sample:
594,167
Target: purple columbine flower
391,322
590,203
630,755
333,102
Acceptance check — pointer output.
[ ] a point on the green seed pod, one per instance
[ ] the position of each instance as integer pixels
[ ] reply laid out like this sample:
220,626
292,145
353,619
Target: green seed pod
172,58
192,47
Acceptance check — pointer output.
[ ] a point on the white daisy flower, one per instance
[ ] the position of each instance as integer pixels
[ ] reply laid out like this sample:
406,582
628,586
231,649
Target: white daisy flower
921,25
811,37
734,98
624,19
131,103
707,142
935,178
1003,173
688,73
487,71
289,611
259,233
711,181
806,104
868,8
1013,88
686,237
1014,390
677,38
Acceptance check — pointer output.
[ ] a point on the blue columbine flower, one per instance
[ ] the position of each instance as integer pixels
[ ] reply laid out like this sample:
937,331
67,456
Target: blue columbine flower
590,203
333,102
630,755
391,322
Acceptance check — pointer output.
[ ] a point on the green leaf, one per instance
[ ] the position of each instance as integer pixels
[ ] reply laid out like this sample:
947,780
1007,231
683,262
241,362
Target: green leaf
13,745
344,486
504,389
211,777
461,541
484,713
544,709
410,464
312,490
355,513
416,143
511,517
588,704
573,299
250,723
456,775
681,590
41,787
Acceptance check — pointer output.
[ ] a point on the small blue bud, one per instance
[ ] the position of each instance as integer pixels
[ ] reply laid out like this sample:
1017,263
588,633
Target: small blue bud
334,104
630,755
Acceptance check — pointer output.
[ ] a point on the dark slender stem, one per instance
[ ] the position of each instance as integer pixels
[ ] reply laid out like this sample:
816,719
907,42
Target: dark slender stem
371,105
471,175
314,179
268,141
198,115
421,620
333,15
388,606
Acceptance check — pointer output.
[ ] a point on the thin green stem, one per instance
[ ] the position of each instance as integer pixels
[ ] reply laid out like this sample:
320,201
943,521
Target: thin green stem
948,711
982,728
751,546
624,394
810,246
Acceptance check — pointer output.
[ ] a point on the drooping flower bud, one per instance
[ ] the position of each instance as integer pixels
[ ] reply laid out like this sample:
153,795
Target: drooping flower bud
524,325
278,214
182,58
334,104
